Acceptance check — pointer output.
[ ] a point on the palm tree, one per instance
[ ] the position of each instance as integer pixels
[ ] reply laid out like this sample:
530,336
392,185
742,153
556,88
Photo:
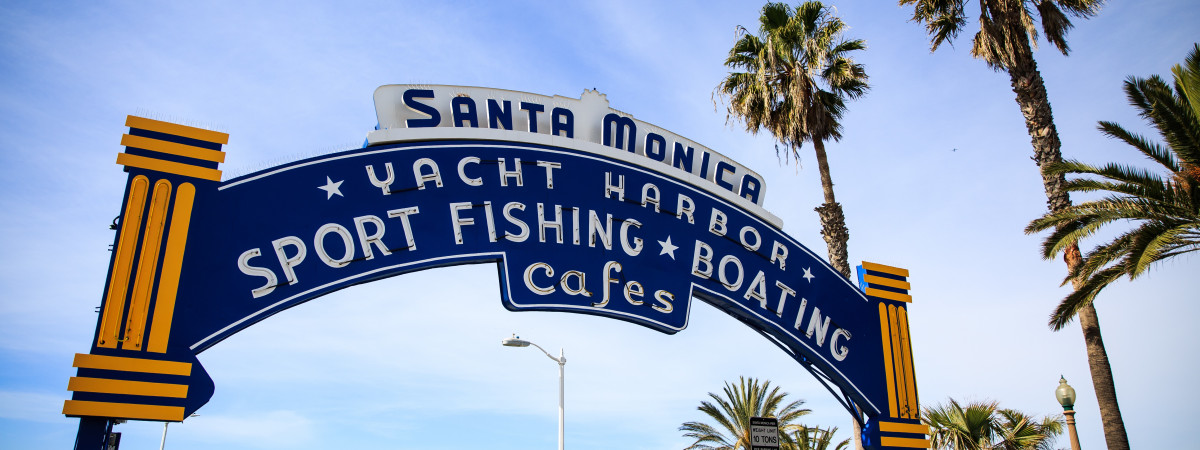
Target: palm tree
732,415
1005,41
792,79
816,438
984,426
1019,431
952,426
1166,209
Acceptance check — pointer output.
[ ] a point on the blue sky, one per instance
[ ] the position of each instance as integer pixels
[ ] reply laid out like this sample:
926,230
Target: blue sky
393,364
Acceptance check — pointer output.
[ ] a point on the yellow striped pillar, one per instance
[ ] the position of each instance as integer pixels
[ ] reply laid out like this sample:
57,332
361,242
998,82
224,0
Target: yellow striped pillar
133,371
900,427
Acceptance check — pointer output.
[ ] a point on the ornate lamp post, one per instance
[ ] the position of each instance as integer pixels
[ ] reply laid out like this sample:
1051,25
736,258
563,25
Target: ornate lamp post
1066,397
562,362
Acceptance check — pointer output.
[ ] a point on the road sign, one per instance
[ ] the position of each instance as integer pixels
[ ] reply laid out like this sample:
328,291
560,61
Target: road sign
764,433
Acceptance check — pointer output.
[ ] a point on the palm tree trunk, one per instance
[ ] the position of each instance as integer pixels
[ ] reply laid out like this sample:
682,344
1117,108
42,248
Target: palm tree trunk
857,435
1101,371
837,237
833,222
1039,121
1102,380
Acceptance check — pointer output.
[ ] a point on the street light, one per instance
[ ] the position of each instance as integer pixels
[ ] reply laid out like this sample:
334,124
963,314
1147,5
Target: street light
515,341
1066,397
163,444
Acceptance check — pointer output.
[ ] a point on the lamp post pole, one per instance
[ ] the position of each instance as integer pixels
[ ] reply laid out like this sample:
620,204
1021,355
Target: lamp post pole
1066,397
1071,429
562,364
562,409
163,443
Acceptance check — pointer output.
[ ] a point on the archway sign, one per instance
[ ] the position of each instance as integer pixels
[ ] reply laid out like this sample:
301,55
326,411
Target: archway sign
581,207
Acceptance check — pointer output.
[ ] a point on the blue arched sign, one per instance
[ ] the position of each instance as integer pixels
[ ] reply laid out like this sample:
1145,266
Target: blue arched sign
581,207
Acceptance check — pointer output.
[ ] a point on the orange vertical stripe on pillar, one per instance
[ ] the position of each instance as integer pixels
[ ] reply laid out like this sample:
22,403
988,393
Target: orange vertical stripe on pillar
888,366
168,282
909,376
902,407
118,281
147,272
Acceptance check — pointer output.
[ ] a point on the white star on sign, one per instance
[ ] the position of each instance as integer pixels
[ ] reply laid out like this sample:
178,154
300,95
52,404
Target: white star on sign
667,248
331,188
808,274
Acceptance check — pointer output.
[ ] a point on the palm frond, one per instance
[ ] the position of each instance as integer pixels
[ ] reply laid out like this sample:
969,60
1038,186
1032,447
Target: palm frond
990,43
1167,110
1129,180
943,19
1080,8
1055,24
1082,296
1153,150
1068,229
1187,84
1152,240
1100,257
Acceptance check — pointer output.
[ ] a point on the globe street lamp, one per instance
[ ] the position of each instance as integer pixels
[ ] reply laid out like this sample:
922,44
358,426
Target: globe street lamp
1066,397
515,341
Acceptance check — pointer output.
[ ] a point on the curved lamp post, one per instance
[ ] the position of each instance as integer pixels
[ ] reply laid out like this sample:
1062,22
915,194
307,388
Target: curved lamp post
515,341
1066,397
